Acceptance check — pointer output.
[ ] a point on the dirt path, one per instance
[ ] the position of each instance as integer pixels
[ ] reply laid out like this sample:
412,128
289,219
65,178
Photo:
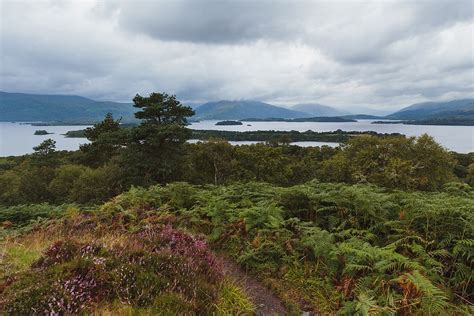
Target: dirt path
265,301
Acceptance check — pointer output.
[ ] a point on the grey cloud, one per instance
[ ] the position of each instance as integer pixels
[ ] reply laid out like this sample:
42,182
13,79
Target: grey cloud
383,54
352,32
212,22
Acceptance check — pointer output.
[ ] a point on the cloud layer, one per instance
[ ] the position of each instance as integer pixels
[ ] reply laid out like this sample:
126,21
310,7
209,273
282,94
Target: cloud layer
382,54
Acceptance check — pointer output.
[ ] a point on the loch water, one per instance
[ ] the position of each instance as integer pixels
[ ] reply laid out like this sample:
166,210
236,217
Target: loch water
19,139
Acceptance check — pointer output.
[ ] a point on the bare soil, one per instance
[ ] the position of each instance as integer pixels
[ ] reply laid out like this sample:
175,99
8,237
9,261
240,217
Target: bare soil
265,301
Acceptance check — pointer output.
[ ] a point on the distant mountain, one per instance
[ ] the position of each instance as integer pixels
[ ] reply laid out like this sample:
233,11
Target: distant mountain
362,117
22,107
302,119
237,110
193,105
315,109
358,109
435,110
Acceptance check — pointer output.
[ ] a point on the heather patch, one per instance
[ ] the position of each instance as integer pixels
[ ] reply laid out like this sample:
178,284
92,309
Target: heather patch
155,267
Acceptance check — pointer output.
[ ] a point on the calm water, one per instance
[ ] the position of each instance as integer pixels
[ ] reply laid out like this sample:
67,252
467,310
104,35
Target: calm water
457,138
18,139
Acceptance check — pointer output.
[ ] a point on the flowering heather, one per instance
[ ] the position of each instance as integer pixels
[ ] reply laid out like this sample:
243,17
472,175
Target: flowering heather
196,251
152,263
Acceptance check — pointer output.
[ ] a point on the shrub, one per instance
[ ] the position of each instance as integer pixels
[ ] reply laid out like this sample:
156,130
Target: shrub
154,268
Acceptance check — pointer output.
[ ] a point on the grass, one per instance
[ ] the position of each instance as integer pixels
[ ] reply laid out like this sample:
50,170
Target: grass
17,255
16,258
233,300
167,304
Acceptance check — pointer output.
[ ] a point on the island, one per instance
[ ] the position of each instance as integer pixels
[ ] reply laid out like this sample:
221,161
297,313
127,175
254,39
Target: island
437,121
229,123
41,132
337,136
75,134
322,119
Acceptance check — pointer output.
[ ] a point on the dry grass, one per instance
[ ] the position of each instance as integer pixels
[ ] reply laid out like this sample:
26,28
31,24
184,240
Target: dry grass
18,253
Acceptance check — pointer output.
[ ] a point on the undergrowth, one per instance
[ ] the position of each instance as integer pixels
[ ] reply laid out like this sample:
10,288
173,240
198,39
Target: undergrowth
329,248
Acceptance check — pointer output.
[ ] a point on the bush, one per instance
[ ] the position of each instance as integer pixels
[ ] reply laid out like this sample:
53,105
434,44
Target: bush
21,215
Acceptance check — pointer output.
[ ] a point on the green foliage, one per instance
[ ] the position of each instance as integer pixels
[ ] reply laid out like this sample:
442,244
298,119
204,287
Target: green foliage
397,162
45,149
107,138
64,181
161,108
361,240
354,249
23,214
10,184
471,175
153,151
95,185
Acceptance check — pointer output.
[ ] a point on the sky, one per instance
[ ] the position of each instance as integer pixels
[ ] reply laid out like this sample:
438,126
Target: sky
349,54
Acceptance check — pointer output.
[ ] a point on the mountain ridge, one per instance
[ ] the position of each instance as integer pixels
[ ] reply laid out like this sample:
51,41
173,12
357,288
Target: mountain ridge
54,107
238,110
24,107
435,110
316,109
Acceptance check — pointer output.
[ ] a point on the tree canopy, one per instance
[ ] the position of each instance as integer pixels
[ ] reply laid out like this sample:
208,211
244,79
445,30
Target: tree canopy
161,108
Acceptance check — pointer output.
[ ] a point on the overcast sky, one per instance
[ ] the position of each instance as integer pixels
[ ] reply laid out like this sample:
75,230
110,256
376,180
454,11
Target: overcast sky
382,54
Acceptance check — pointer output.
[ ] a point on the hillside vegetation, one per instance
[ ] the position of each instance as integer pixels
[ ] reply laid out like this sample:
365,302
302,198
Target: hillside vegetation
320,247
139,222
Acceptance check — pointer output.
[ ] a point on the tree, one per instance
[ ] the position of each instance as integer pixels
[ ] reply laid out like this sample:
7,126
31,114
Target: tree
154,151
398,162
161,108
65,178
209,162
471,175
107,138
35,176
45,153
47,147
95,185
10,187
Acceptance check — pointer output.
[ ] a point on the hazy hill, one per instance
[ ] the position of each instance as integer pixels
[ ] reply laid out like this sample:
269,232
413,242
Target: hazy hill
224,110
432,110
65,108
318,110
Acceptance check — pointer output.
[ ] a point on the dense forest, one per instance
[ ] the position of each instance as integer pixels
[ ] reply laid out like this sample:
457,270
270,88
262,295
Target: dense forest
138,221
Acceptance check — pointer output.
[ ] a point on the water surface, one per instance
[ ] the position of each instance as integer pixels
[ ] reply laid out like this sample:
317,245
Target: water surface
456,138
19,139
